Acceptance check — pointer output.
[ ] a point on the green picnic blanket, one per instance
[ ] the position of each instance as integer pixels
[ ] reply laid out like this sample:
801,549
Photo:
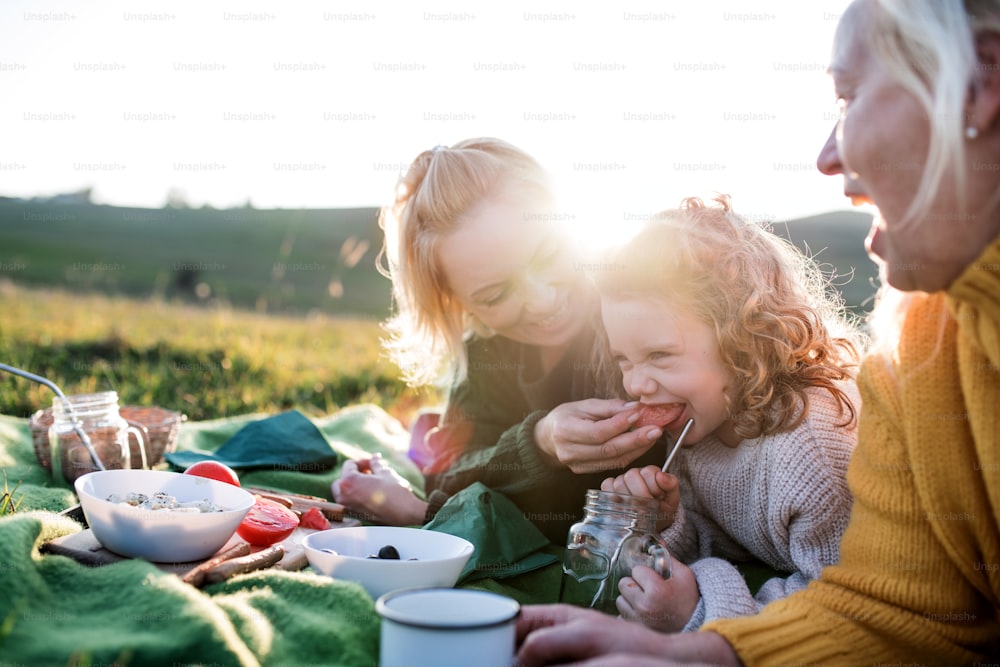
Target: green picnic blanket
354,432
54,611
507,544
58,612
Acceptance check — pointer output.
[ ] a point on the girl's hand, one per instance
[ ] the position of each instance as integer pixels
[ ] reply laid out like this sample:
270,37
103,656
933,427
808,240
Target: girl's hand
649,482
661,604
592,435
373,491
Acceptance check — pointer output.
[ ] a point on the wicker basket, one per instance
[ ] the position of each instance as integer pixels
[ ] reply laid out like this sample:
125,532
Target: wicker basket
162,426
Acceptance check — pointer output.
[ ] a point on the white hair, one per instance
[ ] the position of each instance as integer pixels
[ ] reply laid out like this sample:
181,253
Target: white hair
929,47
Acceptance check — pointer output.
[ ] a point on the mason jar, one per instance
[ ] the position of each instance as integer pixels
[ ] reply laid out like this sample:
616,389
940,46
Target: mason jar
108,432
618,532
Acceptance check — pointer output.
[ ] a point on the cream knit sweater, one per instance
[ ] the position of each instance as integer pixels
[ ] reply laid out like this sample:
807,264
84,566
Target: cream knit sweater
781,499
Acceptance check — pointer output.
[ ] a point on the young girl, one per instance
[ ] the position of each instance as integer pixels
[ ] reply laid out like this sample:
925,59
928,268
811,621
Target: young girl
714,319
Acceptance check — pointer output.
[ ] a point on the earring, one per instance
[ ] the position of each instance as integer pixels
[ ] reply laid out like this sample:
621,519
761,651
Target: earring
971,132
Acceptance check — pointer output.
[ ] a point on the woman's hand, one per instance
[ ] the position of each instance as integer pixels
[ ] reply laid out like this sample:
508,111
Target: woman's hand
563,634
373,491
649,482
550,634
661,604
592,435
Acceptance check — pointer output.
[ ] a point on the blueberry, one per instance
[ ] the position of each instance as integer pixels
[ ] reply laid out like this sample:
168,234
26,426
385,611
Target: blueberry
388,552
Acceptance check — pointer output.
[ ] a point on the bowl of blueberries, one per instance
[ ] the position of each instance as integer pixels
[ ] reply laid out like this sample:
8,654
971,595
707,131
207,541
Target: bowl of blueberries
388,558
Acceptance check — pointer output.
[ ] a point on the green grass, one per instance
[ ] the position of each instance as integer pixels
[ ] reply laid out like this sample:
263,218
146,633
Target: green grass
206,363
9,502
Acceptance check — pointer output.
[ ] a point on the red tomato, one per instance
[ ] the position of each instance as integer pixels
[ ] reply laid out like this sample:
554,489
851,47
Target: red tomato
657,415
267,522
313,518
214,470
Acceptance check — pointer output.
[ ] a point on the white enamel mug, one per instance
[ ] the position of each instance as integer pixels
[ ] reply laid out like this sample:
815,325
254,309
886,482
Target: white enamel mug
447,627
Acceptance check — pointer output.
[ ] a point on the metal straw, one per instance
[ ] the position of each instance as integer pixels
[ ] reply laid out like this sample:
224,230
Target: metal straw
677,445
66,404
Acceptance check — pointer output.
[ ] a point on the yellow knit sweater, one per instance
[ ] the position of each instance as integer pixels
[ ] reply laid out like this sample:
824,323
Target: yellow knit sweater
918,582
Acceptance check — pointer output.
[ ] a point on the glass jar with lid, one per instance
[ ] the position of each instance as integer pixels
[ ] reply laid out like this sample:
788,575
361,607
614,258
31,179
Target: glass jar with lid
98,416
618,532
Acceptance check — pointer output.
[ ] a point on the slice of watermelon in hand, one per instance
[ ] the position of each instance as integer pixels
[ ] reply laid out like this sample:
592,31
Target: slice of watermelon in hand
658,414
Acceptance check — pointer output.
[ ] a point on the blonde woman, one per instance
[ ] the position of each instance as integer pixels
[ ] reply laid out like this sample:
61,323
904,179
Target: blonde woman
489,296
918,581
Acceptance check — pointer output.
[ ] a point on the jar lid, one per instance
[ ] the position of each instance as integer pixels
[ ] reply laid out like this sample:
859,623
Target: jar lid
610,501
85,404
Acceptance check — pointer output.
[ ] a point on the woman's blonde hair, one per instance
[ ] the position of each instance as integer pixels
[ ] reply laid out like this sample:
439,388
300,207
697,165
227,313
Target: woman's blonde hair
767,303
429,326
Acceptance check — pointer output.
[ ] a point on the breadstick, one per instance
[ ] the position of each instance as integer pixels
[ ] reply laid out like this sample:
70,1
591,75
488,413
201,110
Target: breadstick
256,561
196,577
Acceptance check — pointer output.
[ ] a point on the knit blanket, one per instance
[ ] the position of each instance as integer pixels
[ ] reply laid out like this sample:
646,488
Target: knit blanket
55,611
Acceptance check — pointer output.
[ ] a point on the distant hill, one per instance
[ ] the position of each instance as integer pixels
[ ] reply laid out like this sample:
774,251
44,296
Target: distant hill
836,241
288,261
278,260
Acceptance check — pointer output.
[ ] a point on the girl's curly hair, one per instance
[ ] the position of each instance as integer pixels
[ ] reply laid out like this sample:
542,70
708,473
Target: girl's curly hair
780,330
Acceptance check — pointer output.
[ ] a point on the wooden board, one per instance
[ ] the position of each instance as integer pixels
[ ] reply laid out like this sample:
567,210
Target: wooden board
83,547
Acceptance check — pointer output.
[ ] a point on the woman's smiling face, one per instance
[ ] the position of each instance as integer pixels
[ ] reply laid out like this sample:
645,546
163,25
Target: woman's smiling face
511,267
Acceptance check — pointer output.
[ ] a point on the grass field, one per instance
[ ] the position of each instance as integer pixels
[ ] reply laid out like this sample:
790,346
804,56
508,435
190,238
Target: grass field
203,362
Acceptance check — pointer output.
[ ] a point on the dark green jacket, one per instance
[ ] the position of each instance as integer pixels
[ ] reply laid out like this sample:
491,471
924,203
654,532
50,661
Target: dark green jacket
503,397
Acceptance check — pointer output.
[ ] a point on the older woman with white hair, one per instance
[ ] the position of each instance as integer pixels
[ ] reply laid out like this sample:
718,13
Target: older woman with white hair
918,580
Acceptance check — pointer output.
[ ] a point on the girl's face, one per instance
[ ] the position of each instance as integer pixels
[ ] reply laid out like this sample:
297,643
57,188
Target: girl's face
880,146
510,267
666,356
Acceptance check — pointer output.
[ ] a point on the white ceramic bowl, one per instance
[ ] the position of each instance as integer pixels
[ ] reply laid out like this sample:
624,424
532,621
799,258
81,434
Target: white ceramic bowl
440,557
160,536
447,628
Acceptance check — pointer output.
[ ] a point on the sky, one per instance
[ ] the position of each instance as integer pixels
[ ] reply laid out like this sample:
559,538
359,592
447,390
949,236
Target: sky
322,103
